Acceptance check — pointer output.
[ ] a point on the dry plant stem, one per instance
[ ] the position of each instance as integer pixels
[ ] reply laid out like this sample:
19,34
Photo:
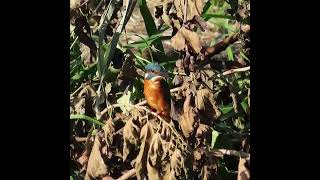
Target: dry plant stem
234,100
236,70
185,11
128,174
81,139
233,153
222,45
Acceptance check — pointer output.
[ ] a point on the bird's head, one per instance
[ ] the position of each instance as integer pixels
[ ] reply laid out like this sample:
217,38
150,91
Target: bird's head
155,72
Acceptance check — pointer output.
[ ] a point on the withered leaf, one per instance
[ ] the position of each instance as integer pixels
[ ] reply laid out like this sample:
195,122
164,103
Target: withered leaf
202,130
109,131
187,120
130,136
192,38
177,164
204,101
177,80
209,170
141,160
88,47
178,41
184,36
75,4
243,169
199,98
96,165
154,157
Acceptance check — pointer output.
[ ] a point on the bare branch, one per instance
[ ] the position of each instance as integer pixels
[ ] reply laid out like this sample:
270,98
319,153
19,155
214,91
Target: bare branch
128,174
230,71
232,153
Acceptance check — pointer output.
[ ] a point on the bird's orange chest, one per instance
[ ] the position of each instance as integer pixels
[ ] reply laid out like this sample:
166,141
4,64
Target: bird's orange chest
152,92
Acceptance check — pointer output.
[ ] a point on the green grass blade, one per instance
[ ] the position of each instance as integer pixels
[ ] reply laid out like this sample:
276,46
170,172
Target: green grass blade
151,29
210,16
230,53
82,116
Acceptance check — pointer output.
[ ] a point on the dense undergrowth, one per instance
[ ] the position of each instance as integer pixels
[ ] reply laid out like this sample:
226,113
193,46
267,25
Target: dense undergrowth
114,134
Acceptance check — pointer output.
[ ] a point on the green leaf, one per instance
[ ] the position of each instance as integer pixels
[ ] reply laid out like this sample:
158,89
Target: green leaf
71,178
230,53
227,115
87,118
226,109
244,104
239,123
206,17
215,135
151,29
125,102
244,56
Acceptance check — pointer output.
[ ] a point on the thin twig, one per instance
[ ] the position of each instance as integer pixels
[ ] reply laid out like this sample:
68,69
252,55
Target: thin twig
81,139
232,153
230,71
128,174
74,42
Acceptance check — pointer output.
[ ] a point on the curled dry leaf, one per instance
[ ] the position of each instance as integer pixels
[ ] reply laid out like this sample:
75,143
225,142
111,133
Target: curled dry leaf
88,47
187,121
244,169
177,164
185,36
74,4
178,42
141,160
130,136
96,165
202,131
209,170
197,162
205,101
109,131
154,157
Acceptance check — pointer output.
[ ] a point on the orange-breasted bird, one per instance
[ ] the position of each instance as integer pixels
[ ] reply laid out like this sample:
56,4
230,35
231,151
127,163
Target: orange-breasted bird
156,90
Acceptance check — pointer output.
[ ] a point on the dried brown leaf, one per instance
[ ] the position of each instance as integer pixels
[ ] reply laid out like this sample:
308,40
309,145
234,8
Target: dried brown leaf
141,160
75,4
178,41
128,69
192,38
205,101
130,136
96,165
86,55
154,158
177,164
187,121
244,169
198,155
184,36
109,131
84,158
202,130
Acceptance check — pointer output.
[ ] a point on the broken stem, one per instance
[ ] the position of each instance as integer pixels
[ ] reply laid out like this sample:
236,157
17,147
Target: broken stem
128,174
232,153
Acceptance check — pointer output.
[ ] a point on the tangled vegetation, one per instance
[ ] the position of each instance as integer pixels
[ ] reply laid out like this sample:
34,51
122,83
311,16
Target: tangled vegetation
205,47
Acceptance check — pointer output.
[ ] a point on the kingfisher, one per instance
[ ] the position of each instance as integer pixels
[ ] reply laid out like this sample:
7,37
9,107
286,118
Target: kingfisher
156,90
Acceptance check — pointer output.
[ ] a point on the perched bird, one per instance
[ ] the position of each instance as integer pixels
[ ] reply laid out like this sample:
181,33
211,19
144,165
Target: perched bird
156,90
